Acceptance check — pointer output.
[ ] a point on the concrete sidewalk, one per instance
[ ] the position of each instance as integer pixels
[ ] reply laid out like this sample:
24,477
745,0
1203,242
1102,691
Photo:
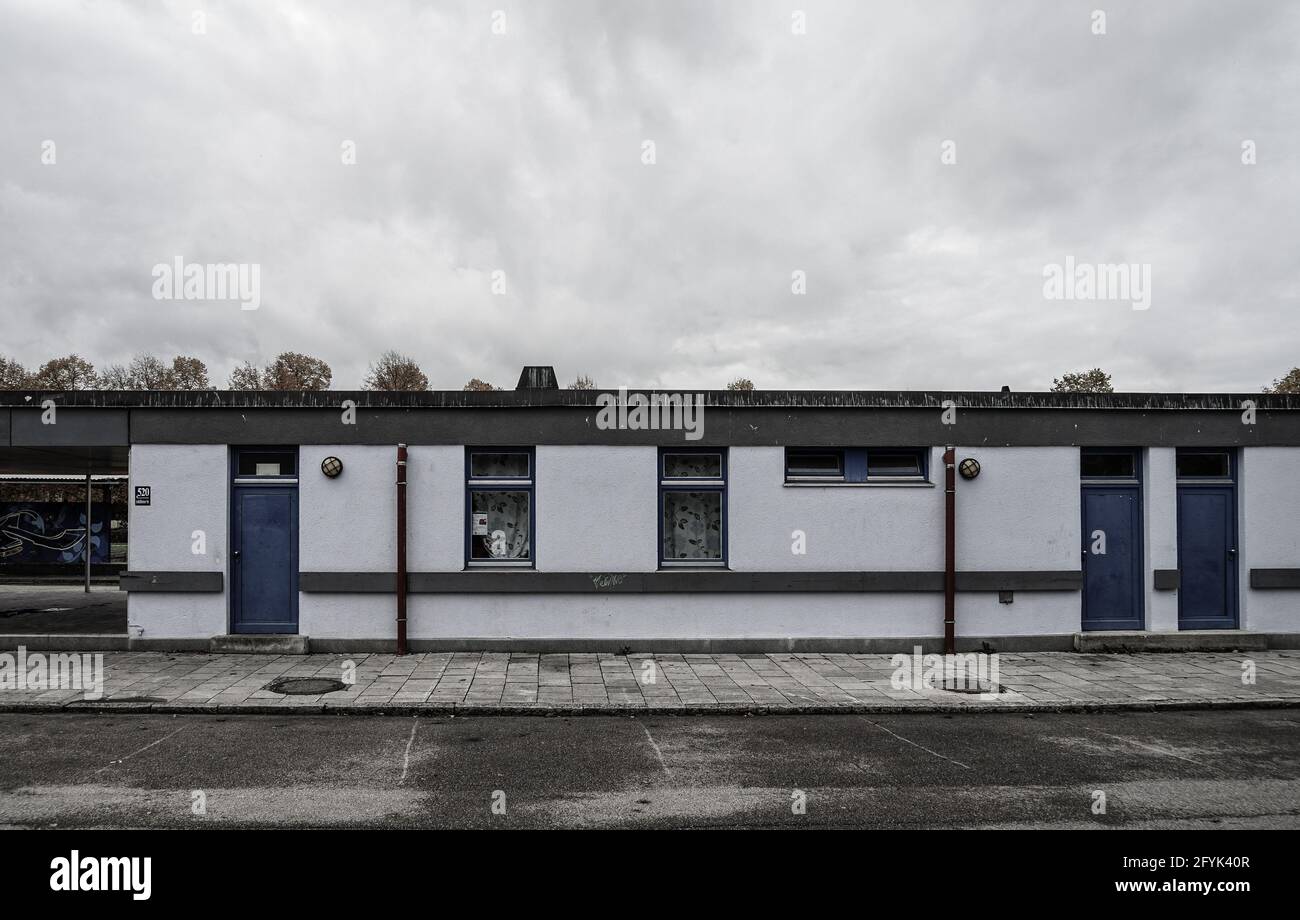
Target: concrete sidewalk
499,682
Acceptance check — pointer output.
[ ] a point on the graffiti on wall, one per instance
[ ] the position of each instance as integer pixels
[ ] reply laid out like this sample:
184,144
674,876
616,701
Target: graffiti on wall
52,532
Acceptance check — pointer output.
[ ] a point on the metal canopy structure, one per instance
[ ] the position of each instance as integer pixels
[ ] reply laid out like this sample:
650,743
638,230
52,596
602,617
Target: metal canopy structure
64,461
63,466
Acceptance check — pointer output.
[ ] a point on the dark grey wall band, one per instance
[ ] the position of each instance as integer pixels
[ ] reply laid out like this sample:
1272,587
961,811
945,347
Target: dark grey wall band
671,582
1275,578
173,582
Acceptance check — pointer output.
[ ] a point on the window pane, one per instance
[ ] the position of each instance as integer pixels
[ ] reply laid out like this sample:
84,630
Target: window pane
693,466
498,465
814,464
1110,465
692,525
1203,466
880,463
499,525
266,463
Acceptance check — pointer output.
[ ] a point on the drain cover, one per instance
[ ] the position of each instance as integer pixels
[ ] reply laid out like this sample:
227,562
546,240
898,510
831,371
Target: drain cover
305,686
970,685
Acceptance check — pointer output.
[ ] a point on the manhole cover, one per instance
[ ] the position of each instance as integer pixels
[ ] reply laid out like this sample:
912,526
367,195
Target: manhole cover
305,686
963,685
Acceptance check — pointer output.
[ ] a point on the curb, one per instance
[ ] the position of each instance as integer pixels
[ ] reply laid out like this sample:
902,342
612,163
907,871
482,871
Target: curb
551,710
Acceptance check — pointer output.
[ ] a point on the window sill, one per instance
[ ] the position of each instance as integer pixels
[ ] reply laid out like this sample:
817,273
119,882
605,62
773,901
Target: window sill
859,485
500,567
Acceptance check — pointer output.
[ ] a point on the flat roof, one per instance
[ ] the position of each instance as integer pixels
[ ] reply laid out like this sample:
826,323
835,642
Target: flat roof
550,398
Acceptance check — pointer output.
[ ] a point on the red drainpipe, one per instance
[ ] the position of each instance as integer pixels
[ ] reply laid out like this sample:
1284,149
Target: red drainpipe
401,549
950,551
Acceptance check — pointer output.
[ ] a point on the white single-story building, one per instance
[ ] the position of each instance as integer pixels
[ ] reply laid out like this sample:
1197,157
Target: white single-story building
542,518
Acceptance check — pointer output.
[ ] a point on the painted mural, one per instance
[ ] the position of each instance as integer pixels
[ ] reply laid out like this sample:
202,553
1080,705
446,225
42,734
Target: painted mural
52,532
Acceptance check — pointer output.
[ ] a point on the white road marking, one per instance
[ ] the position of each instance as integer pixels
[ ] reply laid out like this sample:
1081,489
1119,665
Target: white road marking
406,761
114,763
658,753
915,745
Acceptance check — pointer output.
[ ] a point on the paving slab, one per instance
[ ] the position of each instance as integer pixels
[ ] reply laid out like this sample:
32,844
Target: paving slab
588,683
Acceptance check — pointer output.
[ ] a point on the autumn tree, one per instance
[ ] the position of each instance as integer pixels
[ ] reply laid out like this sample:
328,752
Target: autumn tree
13,376
145,372
1093,381
394,371
245,377
71,372
115,377
293,371
1288,384
477,386
584,382
189,373
741,384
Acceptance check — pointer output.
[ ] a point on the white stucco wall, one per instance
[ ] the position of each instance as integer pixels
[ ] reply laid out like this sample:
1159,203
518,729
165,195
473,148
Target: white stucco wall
1021,513
1160,530
1269,534
435,508
847,528
715,616
189,493
349,523
637,616
597,510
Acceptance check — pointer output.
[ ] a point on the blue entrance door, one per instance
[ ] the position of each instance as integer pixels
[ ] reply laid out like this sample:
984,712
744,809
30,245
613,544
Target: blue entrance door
1112,557
1207,557
264,559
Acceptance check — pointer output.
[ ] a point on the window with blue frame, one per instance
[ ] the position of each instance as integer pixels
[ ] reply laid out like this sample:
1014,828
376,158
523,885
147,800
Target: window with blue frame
692,507
814,465
499,506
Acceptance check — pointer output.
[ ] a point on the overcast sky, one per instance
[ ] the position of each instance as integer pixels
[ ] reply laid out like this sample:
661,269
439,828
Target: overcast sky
774,152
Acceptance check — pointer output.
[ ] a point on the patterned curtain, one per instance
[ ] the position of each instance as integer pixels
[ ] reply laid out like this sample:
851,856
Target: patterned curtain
507,534
692,525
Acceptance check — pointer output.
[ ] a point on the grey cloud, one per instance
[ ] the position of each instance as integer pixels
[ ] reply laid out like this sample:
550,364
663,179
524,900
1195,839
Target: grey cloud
776,152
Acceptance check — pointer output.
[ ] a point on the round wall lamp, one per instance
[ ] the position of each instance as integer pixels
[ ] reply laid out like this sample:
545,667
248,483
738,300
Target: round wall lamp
969,468
331,466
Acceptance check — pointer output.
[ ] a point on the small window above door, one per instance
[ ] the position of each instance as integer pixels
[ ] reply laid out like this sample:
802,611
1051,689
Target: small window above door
1204,464
1108,464
266,463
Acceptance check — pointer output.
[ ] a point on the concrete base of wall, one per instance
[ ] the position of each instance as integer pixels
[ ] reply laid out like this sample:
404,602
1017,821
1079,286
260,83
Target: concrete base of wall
858,645
1191,640
1207,641
259,645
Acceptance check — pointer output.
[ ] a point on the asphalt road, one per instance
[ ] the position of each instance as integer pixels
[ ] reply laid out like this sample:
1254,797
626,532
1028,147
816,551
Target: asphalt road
35,608
1174,769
